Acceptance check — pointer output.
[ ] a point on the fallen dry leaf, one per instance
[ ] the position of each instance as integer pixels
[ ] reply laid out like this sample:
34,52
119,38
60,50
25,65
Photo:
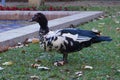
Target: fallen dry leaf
59,63
117,29
23,51
35,65
20,46
29,40
101,17
1,68
39,67
26,45
71,26
79,73
117,22
34,77
7,63
38,61
96,31
43,68
118,70
107,76
3,49
35,40
94,20
88,67
19,43
65,70
11,47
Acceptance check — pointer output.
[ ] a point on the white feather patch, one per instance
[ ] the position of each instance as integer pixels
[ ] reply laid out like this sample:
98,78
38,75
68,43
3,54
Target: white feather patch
76,37
50,34
60,40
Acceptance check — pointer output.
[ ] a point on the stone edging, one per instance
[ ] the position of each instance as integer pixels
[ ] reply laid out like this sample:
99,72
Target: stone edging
12,37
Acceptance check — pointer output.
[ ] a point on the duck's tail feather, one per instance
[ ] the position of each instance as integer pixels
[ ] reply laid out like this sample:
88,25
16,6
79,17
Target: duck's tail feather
102,38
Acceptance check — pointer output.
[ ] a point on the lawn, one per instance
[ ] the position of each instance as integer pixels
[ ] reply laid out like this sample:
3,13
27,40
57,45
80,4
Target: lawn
103,57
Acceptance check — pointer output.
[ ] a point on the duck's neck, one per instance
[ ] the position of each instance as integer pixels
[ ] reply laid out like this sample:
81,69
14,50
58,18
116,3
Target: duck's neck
43,29
42,32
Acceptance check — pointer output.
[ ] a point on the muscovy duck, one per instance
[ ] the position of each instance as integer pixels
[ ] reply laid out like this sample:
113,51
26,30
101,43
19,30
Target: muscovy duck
65,40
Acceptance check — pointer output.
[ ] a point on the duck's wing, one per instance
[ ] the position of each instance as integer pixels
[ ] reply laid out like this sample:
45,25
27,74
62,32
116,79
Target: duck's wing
83,35
77,34
75,31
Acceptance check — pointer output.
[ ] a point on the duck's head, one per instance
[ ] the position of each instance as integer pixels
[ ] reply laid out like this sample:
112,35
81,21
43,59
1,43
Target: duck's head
42,20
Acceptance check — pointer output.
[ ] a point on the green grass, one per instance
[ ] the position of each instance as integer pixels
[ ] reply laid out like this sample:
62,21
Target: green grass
103,57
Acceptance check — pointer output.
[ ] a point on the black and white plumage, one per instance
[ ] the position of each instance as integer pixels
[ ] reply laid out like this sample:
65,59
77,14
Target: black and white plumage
66,40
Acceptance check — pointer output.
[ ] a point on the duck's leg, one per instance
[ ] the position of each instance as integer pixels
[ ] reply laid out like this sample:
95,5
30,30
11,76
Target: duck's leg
65,55
64,61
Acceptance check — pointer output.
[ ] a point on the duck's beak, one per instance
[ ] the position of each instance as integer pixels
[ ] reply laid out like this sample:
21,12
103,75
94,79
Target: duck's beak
31,20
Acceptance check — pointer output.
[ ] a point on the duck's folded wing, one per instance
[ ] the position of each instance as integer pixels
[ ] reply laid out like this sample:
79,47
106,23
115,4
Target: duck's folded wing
80,32
77,34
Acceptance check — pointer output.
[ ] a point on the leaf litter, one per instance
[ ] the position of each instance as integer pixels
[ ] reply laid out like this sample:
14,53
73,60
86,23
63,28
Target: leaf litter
7,63
79,73
38,66
88,67
20,44
1,68
34,77
117,29
59,63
